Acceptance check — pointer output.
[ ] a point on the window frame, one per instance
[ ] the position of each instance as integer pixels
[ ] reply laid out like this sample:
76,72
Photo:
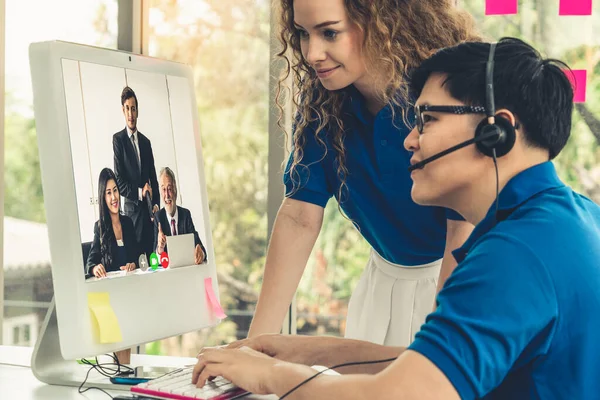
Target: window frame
2,110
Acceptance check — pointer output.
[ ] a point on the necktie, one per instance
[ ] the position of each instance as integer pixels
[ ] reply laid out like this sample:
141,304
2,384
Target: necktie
173,230
136,151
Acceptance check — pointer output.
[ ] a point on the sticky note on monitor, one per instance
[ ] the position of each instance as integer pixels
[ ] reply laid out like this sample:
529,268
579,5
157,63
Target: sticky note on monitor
212,300
575,7
501,7
578,80
105,326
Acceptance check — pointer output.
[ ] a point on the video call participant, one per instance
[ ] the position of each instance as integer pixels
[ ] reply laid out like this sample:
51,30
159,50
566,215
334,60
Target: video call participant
115,246
353,58
136,174
519,316
173,219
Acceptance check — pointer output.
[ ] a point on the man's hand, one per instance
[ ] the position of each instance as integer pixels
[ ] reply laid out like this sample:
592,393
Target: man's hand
99,271
128,267
199,254
162,240
244,367
147,188
155,209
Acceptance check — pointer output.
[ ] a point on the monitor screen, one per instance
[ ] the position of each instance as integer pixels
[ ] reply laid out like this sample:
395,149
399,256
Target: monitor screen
137,187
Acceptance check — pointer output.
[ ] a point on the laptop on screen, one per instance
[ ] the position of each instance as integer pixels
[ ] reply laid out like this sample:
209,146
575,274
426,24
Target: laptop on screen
180,249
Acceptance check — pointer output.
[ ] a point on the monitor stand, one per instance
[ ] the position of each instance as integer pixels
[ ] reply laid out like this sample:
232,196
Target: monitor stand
49,366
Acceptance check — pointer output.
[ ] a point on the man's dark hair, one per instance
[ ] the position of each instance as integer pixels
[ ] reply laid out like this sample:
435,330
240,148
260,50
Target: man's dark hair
128,93
535,89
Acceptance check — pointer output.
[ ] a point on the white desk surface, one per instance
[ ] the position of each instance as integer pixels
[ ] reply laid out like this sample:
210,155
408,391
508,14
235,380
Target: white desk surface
18,383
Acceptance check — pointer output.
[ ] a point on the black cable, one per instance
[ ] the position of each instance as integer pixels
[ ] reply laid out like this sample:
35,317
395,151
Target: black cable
91,387
334,367
497,181
104,370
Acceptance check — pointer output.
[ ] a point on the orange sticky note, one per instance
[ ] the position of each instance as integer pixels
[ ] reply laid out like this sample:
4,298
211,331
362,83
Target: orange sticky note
578,80
501,7
575,7
213,302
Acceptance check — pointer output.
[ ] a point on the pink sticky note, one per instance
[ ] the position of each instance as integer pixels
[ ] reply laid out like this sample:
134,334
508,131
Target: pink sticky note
575,7
500,7
579,81
213,302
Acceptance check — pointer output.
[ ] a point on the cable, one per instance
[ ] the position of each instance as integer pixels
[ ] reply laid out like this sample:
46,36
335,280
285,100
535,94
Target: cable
91,387
105,370
334,367
497,181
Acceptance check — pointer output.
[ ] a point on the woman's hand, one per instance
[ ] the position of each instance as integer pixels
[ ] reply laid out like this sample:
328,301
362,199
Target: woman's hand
291,348
128,267
99,271
244,367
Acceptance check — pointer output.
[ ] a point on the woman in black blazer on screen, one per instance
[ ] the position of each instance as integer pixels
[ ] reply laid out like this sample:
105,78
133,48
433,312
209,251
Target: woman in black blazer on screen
115,247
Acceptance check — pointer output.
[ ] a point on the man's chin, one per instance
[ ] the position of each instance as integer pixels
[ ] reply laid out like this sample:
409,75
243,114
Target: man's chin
420,198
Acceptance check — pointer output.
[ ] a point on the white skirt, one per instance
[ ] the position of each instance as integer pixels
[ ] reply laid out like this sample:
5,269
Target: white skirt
391,301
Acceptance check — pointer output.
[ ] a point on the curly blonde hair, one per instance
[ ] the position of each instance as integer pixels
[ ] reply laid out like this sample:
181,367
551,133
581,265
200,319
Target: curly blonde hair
434,24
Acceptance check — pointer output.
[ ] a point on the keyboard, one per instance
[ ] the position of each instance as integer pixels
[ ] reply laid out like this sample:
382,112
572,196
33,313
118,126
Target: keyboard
178,385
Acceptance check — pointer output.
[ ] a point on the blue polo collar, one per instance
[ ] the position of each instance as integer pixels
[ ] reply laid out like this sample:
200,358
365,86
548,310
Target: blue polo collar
358,108
518,190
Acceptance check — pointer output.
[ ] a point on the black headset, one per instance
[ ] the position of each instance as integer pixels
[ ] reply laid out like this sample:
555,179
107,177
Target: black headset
499,133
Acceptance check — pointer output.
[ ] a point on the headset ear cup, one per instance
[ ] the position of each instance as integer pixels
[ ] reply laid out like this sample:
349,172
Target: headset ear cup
503,142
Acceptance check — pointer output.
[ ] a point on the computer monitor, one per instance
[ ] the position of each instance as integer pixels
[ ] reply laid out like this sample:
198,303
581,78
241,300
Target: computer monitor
93,174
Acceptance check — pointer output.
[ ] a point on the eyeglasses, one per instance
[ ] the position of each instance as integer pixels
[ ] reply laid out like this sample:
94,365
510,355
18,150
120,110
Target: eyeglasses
419,110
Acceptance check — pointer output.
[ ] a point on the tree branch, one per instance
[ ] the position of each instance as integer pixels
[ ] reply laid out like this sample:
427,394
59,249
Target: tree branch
238,289
590,120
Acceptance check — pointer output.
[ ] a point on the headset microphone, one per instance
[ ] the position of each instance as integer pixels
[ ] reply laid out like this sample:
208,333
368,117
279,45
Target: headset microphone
480,138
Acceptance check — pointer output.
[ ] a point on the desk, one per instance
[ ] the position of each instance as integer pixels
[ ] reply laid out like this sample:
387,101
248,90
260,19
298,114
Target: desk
18,382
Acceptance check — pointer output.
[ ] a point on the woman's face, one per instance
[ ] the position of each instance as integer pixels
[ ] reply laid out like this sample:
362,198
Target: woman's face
112,197
330,42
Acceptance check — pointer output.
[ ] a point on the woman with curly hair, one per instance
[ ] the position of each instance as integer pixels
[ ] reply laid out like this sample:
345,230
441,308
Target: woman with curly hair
115,247
350,61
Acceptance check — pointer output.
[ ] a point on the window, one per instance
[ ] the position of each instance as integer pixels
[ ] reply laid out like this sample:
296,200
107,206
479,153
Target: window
227,44
27,279
571,39
333,270
21,330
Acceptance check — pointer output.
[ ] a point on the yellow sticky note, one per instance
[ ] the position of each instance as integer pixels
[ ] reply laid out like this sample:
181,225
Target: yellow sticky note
105,325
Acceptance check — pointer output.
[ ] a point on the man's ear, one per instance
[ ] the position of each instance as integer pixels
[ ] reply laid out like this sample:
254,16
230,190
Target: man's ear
508,115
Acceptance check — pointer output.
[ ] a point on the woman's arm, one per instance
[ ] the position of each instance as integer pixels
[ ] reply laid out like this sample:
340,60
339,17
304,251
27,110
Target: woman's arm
95,255
295,231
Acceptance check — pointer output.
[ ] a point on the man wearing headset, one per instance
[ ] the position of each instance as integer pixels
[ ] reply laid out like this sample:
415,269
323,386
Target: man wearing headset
519,316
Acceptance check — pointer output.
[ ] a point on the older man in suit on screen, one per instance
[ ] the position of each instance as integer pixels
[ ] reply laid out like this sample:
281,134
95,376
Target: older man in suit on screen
173,219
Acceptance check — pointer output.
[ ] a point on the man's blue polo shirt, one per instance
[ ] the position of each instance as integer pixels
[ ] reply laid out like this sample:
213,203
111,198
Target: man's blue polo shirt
377,196
519,318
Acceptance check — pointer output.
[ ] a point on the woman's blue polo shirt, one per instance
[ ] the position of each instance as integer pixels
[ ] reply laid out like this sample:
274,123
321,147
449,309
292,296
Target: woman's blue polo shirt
378,193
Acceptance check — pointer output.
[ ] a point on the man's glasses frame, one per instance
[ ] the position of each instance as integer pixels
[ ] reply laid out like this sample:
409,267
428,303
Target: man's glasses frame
419,110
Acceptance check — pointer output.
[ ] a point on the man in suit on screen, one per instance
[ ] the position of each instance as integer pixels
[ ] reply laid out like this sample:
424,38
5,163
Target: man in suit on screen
174,220
136,174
